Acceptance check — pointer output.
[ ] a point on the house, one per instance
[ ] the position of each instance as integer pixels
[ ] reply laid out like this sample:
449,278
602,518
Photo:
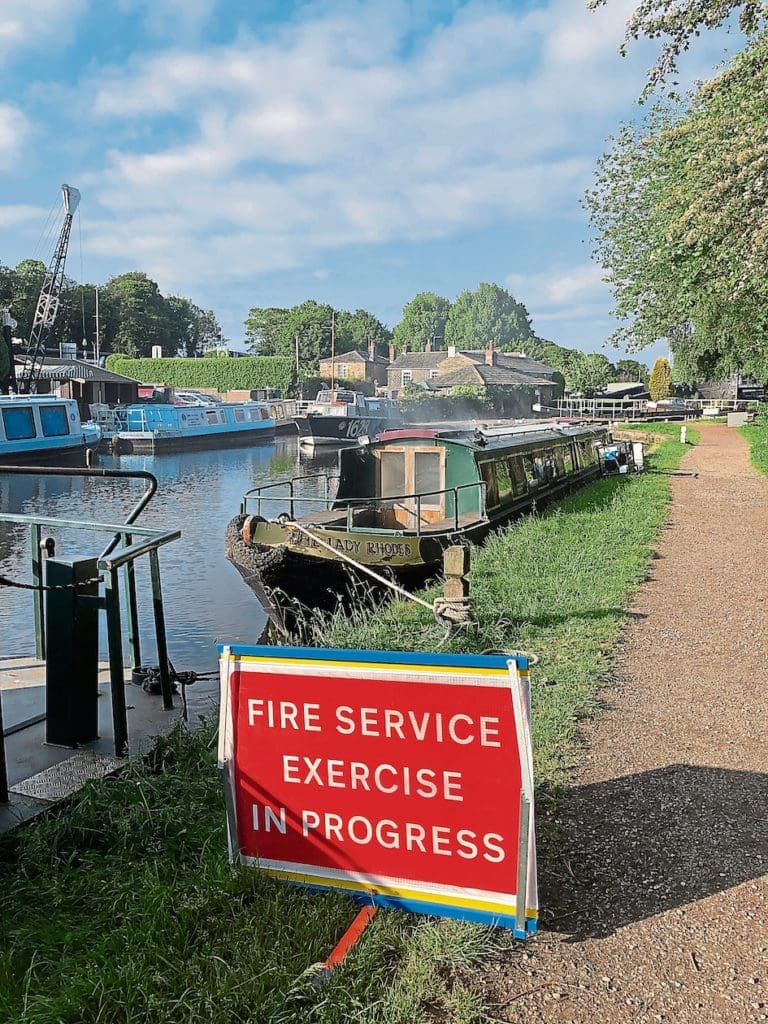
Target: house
356,365
518,381
88,383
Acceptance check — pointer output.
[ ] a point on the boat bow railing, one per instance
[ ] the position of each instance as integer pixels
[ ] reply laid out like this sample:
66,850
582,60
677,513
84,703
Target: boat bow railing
256,494
413,503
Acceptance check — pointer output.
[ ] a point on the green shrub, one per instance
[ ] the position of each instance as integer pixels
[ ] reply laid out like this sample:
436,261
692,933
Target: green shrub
214,372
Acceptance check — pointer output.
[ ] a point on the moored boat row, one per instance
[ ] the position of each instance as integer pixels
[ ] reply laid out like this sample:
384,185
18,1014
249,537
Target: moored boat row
398,502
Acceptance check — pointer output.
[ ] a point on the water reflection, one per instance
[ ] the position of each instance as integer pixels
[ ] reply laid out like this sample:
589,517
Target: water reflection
198,493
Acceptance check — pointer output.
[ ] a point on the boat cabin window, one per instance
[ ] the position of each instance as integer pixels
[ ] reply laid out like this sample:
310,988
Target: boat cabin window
517,475
488,473
53,419
254,414
392,471
408,472
587,454
566,455
264,414
212,416
427,478
239,415
529,465
19,424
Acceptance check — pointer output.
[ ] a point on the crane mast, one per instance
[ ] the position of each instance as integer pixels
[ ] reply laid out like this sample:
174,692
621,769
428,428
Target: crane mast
48,300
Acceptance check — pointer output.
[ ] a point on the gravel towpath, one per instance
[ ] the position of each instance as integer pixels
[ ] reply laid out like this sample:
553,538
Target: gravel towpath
656,903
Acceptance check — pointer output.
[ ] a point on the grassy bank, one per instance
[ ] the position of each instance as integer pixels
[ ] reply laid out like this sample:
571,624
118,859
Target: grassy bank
756,435
122,909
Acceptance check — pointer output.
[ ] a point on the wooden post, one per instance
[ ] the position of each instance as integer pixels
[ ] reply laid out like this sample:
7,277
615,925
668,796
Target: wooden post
456,563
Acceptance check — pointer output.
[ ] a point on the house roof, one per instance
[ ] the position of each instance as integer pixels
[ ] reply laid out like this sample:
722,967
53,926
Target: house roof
430,360
490,376
521,363
418,360
355,356
78,369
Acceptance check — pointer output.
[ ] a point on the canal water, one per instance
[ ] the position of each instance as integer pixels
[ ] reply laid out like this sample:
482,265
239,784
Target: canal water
206,600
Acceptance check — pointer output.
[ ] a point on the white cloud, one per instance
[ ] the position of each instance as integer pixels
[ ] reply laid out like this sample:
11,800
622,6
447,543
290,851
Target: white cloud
15,129
323,135
560,286
171,16
28,24
12,216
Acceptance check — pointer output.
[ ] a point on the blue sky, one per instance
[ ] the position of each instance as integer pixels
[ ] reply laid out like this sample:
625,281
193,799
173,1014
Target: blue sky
256,152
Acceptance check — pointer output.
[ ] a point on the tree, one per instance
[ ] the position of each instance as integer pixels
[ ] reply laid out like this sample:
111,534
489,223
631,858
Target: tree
679,21
423,322
142,314
588,374
680,219
360,328
264,328
631,370
660,384
488,314
191,329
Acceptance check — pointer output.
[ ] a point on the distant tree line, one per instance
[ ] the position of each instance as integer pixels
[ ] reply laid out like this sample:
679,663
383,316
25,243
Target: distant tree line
133,314
471,321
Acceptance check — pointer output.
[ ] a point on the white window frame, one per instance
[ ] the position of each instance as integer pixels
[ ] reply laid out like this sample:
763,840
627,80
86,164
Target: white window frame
406,376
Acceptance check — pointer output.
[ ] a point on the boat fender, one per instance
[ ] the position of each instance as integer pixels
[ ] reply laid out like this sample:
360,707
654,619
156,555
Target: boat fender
249,525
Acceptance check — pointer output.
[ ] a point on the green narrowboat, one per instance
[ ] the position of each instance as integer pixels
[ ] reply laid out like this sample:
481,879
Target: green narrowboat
398,502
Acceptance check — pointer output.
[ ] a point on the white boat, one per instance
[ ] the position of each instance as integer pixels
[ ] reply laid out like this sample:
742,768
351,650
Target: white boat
343,417
159,427
40,428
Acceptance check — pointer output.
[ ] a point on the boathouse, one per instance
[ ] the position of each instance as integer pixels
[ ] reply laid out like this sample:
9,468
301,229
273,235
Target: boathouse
87,383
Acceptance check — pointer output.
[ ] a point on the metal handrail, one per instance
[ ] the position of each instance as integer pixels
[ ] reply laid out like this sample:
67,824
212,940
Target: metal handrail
151,540
255,493
349,505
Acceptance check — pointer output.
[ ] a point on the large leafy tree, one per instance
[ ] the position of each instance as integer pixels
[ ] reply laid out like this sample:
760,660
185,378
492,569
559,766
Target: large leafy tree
276,331
488,314
142,314
677,22
588,374
360,328
191,329
424,319
680,215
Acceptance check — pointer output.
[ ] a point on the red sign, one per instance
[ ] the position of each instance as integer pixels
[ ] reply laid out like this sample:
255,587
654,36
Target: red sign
398,776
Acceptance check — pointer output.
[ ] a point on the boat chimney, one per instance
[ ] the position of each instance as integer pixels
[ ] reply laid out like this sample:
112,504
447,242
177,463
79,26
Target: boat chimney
490,354
451,351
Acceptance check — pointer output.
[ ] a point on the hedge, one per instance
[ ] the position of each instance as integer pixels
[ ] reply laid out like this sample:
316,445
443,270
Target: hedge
245,373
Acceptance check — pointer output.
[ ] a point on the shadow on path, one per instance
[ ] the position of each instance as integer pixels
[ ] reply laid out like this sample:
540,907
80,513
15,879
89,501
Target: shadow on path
635,846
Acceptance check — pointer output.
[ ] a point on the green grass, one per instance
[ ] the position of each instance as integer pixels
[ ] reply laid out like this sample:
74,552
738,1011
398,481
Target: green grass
756,435
122,908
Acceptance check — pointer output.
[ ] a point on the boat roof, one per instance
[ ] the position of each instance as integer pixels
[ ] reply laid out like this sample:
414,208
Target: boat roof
482,436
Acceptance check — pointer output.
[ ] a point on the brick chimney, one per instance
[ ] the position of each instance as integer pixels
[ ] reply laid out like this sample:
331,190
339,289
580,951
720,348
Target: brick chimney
391,353
371,350
451,351
428,346
490,354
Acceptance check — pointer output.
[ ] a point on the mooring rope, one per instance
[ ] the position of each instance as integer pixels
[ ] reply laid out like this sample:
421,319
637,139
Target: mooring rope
358,565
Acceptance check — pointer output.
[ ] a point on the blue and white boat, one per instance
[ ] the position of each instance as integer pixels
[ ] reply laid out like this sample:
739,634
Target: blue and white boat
150,428
36,429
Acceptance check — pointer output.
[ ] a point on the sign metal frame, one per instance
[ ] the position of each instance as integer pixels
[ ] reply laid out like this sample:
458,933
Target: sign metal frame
417,895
